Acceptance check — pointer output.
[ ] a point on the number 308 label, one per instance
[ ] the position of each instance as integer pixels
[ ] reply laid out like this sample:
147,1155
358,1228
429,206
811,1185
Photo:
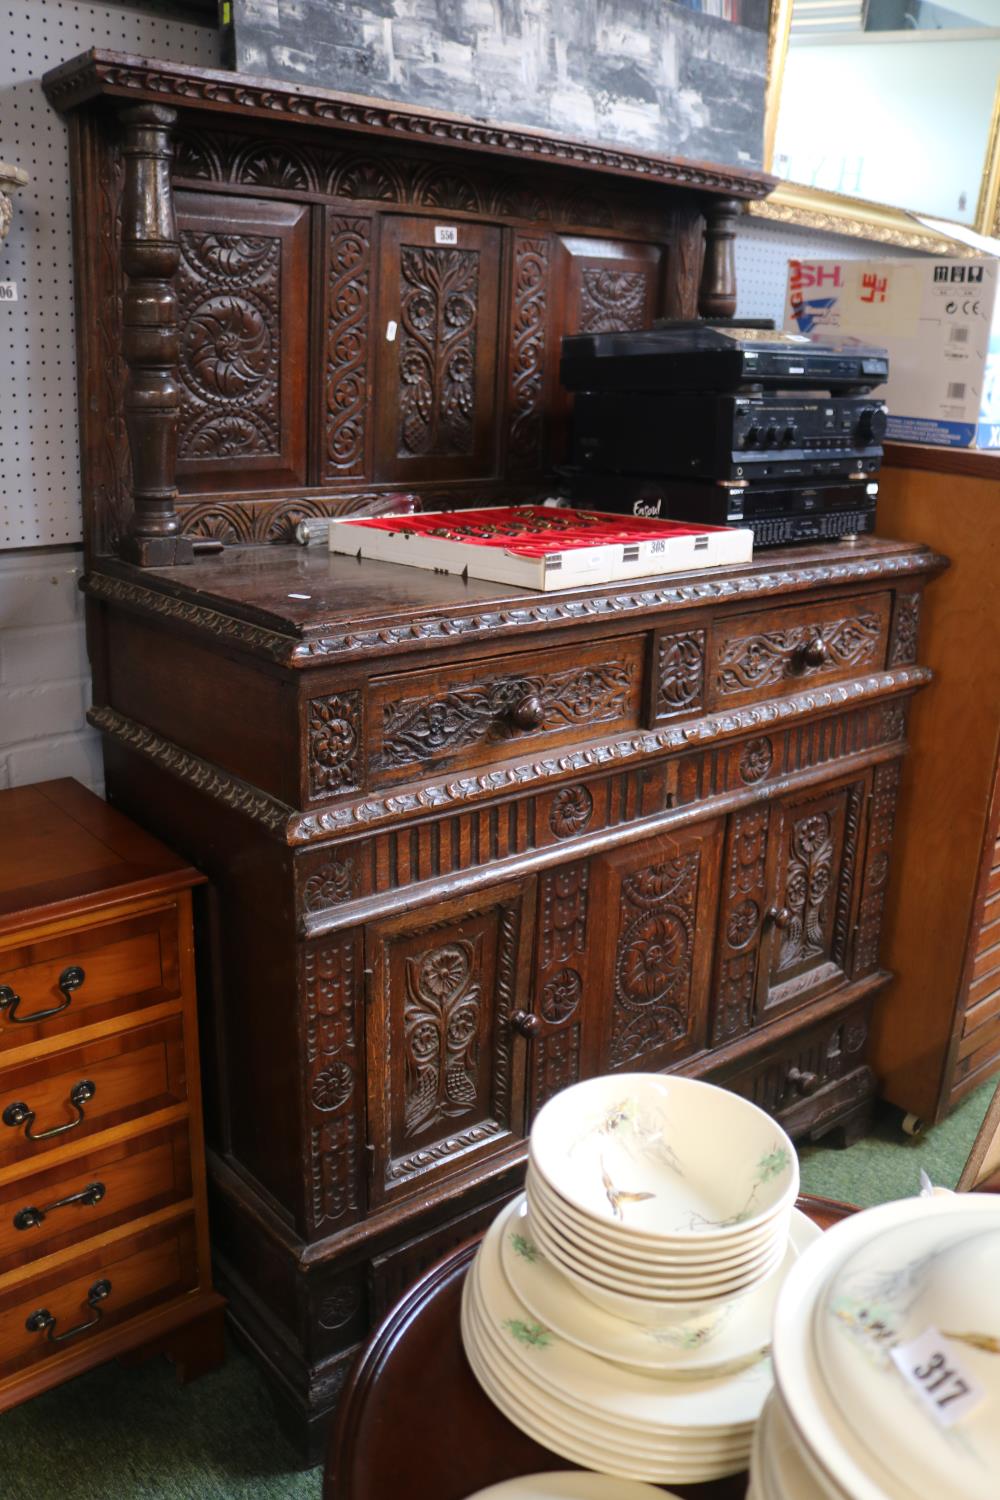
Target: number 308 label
930,1365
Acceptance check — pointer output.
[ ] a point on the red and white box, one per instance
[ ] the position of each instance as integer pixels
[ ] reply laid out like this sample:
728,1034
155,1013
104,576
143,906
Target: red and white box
541,547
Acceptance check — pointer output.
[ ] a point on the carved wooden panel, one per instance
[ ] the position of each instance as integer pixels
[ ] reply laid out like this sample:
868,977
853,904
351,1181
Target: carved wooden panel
438,351
563,1004
599,286
528,345
679,672
334,733
658,899
334,1092
814,841
445,1065
741,921
243,290
885,788
781,651
347,324
462,715
905,630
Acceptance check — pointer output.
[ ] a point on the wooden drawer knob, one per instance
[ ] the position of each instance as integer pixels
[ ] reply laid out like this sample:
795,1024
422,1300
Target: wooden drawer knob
804,1082
528,712
779,916
816,653
526,1023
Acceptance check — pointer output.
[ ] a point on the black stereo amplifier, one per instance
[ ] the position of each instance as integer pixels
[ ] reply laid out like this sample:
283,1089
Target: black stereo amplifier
687,434
726,356
776,513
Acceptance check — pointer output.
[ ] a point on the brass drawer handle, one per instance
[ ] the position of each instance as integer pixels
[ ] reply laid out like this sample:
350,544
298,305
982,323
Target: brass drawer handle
528,712
22,1114
31,1217
42,1320
526,1023
69,980
780,916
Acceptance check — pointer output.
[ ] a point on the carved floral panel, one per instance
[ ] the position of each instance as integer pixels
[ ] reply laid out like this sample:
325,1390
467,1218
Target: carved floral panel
330,975
527,351
654,958
334,727
347,335
680,675
439,294
740,925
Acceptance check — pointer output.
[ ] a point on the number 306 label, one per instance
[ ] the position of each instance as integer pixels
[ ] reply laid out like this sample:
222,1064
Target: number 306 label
930,1366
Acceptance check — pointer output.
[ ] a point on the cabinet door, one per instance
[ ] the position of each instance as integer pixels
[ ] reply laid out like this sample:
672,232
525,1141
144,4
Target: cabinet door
436,396
813,846
653,925
445,1063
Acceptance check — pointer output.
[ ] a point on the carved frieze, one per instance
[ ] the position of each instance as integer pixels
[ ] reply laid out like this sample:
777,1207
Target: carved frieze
680,675
334,724
527,350
348,293
229,292
439,301
422,729
653,958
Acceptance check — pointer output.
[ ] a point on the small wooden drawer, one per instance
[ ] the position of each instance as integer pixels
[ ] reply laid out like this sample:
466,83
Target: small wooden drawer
62,983
97,1191
771,653
485,711
82,1090
81,1302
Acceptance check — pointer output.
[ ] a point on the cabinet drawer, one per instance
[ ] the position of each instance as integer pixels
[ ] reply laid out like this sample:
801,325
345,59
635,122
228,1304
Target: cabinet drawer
82,1090
769,653
810,1080
47,1211
78,978
79,1303
485,711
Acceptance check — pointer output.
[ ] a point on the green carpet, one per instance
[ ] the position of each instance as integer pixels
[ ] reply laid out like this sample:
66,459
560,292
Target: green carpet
137,1435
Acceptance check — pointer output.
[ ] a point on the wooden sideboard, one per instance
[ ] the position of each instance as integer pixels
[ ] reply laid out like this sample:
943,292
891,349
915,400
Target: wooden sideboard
937,1031
103,1220
466,844
433,910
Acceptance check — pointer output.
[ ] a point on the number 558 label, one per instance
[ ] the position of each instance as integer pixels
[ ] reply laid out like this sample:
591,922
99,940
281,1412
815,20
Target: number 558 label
932,1367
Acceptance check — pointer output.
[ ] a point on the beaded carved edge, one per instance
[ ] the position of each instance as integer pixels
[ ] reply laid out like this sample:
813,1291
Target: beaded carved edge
305,828
298,652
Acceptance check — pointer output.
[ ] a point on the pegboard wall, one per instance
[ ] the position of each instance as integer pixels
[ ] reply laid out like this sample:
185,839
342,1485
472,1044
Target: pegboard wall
39,449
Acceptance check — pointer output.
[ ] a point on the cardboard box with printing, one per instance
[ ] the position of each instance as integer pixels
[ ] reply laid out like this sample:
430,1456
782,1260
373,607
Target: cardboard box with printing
940,321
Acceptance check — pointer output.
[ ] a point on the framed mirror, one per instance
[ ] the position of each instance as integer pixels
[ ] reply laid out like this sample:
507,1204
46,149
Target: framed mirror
883,113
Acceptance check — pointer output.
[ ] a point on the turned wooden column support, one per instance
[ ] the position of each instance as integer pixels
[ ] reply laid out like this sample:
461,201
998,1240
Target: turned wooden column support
717,289
150,257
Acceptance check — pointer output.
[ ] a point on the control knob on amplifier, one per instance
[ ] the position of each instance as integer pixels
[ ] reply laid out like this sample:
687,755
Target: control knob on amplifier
871,424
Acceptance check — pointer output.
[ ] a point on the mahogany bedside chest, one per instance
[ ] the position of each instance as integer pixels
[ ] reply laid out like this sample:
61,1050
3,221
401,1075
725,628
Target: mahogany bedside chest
103,1225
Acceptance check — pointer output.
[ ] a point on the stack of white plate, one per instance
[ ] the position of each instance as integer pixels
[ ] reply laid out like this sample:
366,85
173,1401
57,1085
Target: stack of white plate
887,1360
663,1394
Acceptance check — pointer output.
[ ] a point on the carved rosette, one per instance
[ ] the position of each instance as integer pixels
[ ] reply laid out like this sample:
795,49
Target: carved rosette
764,659
439,301
905,630
755,760
680,677
332,1059
883,811
571,811
653,959
422,729
334,723
329,885
347,339
527,351
561,996
229,289
612,301
743,903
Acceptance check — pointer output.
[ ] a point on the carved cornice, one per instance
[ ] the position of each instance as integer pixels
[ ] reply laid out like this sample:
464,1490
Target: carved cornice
220,785
119,74
352,816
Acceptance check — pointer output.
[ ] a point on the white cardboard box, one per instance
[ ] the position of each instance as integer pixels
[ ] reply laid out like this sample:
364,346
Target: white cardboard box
940,321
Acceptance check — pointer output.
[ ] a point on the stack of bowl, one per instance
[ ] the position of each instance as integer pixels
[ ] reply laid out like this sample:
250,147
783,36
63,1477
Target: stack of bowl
619,1311
887,1360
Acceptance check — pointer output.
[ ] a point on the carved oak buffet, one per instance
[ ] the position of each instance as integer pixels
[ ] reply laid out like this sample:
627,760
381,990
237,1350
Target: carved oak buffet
465,844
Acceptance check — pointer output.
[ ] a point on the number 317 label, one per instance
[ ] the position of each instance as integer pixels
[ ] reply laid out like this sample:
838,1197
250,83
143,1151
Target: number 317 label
930,1365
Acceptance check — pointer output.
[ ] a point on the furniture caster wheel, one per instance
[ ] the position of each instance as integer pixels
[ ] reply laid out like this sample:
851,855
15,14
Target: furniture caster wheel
913,1125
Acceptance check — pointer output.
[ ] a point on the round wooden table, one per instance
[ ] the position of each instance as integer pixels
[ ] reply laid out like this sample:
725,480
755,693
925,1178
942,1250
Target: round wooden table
413,1424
